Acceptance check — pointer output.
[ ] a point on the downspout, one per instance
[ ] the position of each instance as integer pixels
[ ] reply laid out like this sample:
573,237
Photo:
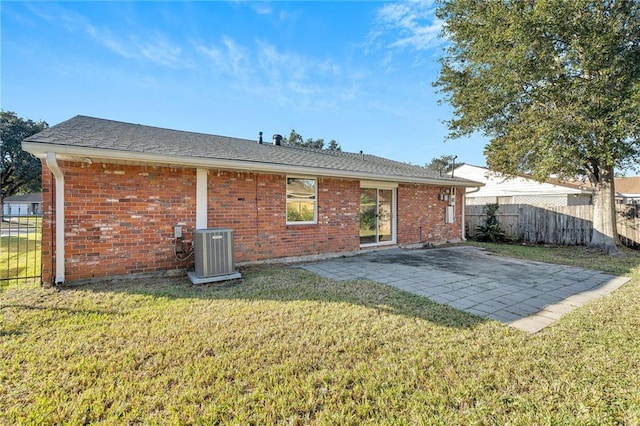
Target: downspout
52,164
464,211
463,228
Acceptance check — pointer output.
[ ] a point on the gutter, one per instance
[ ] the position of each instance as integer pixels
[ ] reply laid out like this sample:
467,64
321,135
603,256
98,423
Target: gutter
39,149
472,191
52,164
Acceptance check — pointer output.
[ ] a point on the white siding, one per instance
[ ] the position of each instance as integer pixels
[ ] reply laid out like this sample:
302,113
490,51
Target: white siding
519,190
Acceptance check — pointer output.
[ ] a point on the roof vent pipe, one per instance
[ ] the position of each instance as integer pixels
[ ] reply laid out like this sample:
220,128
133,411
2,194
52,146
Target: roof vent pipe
453,165
362,155
260,138
277,139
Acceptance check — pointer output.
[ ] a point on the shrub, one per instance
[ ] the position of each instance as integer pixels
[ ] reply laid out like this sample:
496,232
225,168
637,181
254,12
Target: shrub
491,230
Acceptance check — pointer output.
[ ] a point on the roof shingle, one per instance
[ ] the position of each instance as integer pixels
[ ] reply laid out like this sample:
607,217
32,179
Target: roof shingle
103,136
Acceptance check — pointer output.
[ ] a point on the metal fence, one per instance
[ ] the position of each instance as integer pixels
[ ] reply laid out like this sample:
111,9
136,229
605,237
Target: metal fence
20,247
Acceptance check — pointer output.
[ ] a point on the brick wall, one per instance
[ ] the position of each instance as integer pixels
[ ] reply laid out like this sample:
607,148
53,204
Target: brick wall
120,218
254,206
421,215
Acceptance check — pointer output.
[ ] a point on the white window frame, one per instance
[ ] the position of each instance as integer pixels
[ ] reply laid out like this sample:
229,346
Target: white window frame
393,186
315,201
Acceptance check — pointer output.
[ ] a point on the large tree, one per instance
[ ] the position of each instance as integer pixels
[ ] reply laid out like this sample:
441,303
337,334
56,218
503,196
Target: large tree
554,84
20,171
442,164
296,138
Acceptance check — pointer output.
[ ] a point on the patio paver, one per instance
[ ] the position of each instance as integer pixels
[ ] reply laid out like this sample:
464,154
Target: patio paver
525,294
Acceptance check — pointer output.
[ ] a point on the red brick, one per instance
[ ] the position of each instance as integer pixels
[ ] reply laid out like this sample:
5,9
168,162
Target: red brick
120,218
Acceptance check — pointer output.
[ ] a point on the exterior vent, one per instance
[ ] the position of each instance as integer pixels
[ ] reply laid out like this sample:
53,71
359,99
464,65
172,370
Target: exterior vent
214,261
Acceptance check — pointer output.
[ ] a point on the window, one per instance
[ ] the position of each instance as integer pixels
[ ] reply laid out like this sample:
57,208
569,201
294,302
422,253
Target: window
301,200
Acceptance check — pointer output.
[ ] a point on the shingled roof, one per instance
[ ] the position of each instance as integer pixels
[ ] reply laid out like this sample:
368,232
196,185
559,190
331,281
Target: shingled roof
100,139
24,199
627,185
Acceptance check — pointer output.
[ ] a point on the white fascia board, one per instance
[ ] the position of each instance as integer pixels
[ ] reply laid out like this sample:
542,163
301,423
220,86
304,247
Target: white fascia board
95,154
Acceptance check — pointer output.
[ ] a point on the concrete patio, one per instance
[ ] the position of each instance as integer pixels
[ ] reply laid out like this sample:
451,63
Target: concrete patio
525,294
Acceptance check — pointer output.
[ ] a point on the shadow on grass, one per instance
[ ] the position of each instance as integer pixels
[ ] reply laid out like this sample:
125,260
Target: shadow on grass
47,309
288,284
59,309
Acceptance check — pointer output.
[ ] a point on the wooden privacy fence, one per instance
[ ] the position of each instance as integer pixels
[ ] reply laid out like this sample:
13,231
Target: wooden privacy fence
571,225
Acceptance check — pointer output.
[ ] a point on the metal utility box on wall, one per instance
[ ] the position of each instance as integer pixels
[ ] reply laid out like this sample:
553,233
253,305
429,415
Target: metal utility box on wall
449,215
214,261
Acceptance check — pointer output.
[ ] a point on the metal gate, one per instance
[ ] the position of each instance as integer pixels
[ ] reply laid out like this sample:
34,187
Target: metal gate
20,247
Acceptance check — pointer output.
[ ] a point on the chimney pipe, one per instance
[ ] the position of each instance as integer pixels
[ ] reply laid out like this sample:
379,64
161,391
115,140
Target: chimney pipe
277,139
260,138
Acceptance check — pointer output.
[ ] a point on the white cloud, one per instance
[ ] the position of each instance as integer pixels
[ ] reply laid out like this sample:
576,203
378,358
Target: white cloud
406,25
156,48
261,9
228,58
160,51
287,78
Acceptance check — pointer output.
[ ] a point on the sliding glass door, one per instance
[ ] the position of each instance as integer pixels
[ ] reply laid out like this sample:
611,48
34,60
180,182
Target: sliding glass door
377,212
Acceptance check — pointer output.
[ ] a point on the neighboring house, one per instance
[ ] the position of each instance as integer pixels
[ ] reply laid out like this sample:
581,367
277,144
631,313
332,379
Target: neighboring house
520,190
115,191
627,190
22,205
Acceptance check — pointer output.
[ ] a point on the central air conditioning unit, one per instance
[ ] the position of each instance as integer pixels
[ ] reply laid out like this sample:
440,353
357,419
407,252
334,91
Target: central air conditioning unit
214,261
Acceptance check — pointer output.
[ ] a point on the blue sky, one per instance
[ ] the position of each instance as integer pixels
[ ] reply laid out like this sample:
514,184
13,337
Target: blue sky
357,72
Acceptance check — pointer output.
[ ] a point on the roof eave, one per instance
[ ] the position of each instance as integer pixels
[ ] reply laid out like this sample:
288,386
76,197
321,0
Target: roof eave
41,149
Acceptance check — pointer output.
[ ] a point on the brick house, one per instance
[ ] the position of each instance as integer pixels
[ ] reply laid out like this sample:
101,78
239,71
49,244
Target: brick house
113,193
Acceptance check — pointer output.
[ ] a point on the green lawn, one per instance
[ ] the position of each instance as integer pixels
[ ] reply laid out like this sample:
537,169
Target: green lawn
624,262
285,346
20,254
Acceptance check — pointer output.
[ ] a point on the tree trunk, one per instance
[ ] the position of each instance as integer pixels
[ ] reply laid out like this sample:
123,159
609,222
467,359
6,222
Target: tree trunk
605,232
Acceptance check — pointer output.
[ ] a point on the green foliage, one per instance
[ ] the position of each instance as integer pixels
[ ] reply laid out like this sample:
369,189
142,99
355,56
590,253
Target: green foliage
334,146
555,85
20,171
368,211
368,219
491,230
299,212
443,164
296,139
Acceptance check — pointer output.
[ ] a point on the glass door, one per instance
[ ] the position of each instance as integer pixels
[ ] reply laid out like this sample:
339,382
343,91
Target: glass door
376,216
385,214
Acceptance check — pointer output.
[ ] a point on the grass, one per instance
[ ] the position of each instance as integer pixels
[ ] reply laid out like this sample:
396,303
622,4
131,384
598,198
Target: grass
283,346
20,254
624,262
